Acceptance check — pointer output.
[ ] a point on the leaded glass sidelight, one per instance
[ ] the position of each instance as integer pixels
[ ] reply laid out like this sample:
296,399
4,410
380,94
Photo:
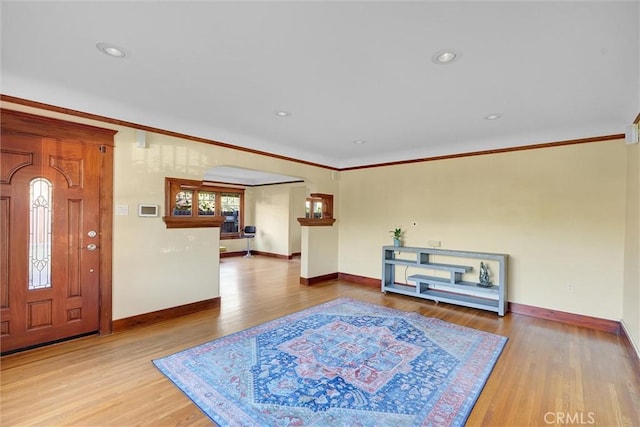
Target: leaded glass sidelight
230,204
206,203
40,220
183,203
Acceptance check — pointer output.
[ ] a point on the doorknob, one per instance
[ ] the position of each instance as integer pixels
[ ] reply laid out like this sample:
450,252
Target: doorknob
91,247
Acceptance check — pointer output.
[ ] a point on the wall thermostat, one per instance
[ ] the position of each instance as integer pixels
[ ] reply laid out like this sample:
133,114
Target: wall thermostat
147,210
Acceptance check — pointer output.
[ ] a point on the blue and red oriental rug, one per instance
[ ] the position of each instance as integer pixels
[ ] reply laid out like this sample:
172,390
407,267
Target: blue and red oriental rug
342,363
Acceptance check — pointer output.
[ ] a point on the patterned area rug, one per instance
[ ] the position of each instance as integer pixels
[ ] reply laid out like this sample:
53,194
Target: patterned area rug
342,363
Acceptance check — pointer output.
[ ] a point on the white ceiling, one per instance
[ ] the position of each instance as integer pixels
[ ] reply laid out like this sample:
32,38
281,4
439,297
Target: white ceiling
243,176
346,71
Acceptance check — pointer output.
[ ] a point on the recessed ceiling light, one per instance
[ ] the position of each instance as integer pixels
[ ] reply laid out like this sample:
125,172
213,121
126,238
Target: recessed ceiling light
445,57
111,50
493,116
281,113
359,142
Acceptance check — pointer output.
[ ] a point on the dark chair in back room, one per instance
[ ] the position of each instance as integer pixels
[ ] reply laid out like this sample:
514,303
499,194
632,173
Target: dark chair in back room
249,233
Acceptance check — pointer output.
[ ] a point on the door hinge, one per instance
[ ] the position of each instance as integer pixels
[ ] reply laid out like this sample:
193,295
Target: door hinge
103,148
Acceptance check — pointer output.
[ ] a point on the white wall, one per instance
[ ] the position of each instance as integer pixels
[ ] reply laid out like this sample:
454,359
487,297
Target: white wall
558,212
272,213
297,210
155,267
631,293
319,251
266,208
181,266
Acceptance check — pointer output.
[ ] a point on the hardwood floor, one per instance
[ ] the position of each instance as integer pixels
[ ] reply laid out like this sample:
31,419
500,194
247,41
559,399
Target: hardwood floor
548,374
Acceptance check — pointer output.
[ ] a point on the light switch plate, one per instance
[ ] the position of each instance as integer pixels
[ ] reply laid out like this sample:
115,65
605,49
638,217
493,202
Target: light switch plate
122,209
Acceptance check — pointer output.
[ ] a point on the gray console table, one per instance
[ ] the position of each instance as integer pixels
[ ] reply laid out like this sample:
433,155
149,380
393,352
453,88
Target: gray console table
451,289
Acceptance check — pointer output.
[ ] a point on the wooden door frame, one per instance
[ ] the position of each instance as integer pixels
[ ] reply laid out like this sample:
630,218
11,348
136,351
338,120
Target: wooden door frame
30,124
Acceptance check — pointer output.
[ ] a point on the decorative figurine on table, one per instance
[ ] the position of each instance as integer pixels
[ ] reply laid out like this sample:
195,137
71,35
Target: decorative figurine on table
485,282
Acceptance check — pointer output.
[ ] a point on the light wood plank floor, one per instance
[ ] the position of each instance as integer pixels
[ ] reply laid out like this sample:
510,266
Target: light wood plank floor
548,374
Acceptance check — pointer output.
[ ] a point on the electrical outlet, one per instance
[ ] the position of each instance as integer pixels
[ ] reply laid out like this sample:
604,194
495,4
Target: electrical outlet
571,287
434,243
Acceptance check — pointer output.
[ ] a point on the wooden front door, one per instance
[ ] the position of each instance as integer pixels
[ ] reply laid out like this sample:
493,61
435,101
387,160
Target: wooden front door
50,219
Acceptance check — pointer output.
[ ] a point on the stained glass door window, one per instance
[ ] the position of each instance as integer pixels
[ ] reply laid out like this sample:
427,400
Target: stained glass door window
40,219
